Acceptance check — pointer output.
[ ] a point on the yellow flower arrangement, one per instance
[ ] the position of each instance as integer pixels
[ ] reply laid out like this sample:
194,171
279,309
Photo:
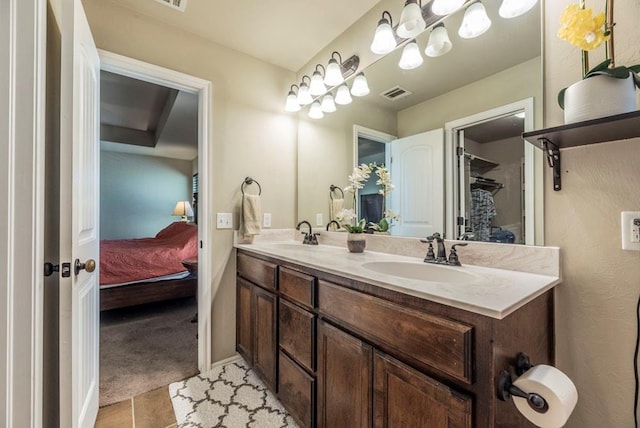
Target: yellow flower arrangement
582,29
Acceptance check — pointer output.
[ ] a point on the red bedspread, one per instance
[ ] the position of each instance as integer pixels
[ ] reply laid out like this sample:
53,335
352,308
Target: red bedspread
128,260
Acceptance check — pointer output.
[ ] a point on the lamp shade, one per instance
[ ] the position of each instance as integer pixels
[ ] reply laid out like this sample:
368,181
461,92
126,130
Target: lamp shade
411,21
383,41
328,105
360,86
304,97
514,8
292,102
317,86
315,111
183,209
445,7
343,97
411,57
439,42
475,22
334,74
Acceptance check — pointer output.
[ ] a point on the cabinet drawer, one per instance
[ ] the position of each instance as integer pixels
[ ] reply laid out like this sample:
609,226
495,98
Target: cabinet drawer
297,286
440,343
258,271
296,391
297,333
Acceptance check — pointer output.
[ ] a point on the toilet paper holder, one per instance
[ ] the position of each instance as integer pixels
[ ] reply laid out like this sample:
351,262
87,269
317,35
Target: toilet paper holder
506,388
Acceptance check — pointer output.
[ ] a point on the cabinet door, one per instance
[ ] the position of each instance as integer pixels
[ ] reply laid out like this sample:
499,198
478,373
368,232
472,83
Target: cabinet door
265,339
296,391
344,379
404,397
244,338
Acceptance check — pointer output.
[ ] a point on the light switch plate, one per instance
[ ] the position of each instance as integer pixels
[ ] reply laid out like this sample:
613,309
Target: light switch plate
630,231
224,221
266,220
319,221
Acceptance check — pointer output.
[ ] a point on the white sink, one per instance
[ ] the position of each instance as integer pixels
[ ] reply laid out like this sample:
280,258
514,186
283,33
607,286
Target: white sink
422,271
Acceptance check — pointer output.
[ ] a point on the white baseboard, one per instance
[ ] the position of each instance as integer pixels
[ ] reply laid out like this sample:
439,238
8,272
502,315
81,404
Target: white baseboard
233,359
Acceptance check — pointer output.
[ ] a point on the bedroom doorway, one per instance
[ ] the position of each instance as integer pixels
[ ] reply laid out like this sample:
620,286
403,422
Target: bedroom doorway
181,105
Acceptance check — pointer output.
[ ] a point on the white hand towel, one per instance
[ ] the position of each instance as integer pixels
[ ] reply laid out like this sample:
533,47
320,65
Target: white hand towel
336,206
251,215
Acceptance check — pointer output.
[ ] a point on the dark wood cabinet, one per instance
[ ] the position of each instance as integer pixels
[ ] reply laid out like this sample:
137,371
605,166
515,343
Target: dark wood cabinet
346,353
404,397
344,379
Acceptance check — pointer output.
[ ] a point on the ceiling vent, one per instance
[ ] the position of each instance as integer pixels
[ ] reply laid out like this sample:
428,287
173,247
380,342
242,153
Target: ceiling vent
395,93
174,4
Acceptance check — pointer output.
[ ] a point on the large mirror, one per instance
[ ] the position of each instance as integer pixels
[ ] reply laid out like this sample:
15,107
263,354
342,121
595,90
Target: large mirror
479,97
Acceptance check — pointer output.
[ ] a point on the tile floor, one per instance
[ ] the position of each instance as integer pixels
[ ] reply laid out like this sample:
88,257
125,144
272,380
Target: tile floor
151,409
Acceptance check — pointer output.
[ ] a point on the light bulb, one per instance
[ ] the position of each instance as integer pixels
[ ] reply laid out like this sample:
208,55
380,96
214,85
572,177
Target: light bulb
383,41
513,8
360,86
439,43
475,21
445,7
292,102
411,57
304,97
315,111
333,77
343,97
328,105
317,86
411,21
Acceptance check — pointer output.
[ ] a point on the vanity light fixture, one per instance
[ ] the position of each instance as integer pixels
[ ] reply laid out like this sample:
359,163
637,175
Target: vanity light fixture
475,22
333,76
411,20
446,7
384,41
360,86
315,111
513,8
317,86
292,101
328,105
304,97
343,97
411,57
439,42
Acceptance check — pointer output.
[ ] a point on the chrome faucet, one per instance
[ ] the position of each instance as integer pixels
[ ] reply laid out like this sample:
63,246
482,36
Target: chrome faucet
441,256
310,238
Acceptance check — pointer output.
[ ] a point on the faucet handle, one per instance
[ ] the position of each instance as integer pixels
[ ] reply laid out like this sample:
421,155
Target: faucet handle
430,254
313,239
453,255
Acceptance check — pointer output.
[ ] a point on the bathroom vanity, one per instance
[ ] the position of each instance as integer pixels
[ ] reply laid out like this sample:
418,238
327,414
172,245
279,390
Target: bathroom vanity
345,345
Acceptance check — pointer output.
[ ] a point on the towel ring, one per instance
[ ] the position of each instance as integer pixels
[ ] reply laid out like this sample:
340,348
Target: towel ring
249,181
332,189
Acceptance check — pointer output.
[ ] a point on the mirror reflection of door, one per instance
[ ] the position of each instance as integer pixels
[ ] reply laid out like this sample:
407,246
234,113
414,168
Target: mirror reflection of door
370,203
491,176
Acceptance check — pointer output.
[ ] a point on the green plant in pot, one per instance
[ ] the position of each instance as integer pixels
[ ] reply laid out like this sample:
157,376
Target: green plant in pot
606,89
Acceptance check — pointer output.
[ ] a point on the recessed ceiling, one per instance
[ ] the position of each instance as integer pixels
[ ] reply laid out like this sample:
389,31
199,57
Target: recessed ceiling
287,33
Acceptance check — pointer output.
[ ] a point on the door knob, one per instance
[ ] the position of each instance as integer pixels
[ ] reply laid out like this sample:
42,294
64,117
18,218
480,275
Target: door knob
89,266
50,268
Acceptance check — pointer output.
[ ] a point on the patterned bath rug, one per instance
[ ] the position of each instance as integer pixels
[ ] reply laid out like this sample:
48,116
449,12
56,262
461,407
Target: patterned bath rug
229,396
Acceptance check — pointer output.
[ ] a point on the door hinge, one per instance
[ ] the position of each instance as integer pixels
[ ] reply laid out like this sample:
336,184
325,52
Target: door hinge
460,151
460,221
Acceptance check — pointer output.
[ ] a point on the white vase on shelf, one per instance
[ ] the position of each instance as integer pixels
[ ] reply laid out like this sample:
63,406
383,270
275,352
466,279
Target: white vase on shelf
599,96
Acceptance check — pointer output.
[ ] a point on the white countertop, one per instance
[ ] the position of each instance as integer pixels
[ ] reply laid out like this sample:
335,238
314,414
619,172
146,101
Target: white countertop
491,292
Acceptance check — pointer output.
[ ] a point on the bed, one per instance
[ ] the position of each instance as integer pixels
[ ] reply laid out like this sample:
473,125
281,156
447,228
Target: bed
145,270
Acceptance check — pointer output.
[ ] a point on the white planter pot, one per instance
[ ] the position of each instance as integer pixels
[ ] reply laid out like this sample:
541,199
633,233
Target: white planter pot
599,96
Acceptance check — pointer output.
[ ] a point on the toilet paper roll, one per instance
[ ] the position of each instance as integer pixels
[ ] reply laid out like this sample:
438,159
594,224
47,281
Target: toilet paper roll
555,387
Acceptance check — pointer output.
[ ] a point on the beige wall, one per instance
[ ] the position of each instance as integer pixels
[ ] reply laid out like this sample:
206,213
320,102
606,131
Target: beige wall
513,84
251,135
596,303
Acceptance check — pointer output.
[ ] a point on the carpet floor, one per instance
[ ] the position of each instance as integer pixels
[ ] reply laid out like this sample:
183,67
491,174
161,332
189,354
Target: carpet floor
146,347
228,396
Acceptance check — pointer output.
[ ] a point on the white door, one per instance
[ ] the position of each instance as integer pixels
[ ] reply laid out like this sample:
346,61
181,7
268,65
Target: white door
79,219
417,171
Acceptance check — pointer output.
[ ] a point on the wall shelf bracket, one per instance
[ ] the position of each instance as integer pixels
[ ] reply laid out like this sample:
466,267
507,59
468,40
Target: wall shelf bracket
552,153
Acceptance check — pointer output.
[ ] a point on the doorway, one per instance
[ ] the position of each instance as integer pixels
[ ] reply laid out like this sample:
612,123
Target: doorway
199,91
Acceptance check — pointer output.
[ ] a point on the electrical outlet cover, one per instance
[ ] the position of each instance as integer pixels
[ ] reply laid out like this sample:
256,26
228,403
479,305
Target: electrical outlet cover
630,231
